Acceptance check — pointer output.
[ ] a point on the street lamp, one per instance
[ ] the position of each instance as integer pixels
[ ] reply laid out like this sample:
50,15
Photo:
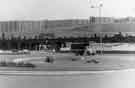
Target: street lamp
100,15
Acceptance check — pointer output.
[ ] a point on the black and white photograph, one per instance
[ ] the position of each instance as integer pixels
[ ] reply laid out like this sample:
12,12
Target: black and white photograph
67,44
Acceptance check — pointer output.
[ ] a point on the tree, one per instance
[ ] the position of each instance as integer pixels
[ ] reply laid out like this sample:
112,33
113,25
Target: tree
24,38
3,36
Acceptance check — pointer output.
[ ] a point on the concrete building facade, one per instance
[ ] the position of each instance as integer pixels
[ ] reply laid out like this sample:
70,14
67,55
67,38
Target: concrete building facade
33,28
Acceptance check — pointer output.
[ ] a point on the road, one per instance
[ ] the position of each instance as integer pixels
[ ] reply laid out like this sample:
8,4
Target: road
112,71
63,62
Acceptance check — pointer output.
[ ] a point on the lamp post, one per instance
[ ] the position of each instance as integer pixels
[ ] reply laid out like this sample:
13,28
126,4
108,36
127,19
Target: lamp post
99,7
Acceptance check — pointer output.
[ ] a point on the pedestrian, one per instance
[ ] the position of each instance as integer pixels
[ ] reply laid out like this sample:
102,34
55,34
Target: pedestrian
49,59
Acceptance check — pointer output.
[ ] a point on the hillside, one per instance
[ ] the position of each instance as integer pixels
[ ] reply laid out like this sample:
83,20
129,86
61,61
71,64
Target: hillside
96,28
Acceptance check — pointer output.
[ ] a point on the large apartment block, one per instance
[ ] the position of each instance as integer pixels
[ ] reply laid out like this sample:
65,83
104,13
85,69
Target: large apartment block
32,28
61,28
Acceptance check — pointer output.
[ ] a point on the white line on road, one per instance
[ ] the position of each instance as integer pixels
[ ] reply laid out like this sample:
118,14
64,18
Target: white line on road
59,73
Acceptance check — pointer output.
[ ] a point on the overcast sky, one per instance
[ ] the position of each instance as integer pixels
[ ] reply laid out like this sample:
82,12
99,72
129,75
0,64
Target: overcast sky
62,9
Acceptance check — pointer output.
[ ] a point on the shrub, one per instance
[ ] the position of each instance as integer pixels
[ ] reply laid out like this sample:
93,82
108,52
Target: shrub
22,64
13,64
3,63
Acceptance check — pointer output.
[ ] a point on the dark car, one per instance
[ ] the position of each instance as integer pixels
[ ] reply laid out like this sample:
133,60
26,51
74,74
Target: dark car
78,48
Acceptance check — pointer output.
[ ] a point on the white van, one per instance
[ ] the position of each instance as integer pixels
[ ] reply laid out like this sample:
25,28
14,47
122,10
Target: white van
90,50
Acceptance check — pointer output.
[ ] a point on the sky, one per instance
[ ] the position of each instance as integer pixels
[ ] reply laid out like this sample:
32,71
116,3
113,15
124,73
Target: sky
63,9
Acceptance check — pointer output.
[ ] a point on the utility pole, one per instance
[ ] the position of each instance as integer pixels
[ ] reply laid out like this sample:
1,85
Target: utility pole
99,7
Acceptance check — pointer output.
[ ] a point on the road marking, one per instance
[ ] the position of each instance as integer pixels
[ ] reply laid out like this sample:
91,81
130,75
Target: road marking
59,73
